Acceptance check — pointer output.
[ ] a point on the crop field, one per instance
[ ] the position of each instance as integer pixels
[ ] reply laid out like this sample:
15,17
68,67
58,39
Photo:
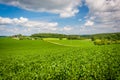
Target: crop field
73,43
46,60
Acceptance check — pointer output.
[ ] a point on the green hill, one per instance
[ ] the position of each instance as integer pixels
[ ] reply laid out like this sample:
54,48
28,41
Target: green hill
42,60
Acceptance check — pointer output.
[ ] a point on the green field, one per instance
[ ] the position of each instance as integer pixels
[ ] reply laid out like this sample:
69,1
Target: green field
73,43
58,60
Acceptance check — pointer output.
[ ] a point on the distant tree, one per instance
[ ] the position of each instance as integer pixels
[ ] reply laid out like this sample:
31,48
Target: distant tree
93,38
60,38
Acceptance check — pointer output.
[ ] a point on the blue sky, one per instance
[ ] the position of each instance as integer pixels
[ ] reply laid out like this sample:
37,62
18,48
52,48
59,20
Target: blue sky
68,17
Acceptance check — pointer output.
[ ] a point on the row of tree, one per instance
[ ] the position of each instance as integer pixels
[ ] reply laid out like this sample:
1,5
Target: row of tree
55,35
107,38
98,39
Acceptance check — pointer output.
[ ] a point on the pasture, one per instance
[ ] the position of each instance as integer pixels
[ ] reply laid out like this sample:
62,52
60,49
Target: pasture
46,60
73,43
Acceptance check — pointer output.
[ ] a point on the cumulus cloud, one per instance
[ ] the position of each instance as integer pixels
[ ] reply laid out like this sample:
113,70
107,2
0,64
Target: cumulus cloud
89,23
105,14
104,10
67,28
103,5
12,21
66,8
28,23
25,26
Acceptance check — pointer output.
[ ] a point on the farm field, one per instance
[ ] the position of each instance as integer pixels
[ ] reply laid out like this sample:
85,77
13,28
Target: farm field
73,43
46,60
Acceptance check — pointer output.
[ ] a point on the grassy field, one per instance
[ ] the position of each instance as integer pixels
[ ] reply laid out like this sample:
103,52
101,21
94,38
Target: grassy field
73,43
66,60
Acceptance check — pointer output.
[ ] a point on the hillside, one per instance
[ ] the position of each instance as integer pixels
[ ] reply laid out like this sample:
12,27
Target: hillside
42,60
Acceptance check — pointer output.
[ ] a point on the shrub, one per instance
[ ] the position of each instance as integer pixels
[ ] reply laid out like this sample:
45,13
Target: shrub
102,42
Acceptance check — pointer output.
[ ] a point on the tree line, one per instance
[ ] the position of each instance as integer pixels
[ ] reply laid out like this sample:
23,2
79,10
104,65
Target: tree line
98,39
106,38
55,35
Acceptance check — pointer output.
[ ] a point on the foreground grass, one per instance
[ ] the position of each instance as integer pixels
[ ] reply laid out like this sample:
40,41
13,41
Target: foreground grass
41,60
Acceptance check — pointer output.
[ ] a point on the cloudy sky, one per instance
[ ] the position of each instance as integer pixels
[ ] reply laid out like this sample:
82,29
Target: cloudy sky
59,16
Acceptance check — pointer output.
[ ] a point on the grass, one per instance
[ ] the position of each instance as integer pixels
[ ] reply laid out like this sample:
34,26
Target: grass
54,39
50,38
41,60
74,43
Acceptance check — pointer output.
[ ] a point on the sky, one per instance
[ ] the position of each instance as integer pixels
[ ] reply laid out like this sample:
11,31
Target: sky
59,16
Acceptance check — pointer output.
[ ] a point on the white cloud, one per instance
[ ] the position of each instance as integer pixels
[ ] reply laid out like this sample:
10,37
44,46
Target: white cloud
13,21
67,28
89,23
25,26
105,14
106,10
28,23
66,8
103,5
5,20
